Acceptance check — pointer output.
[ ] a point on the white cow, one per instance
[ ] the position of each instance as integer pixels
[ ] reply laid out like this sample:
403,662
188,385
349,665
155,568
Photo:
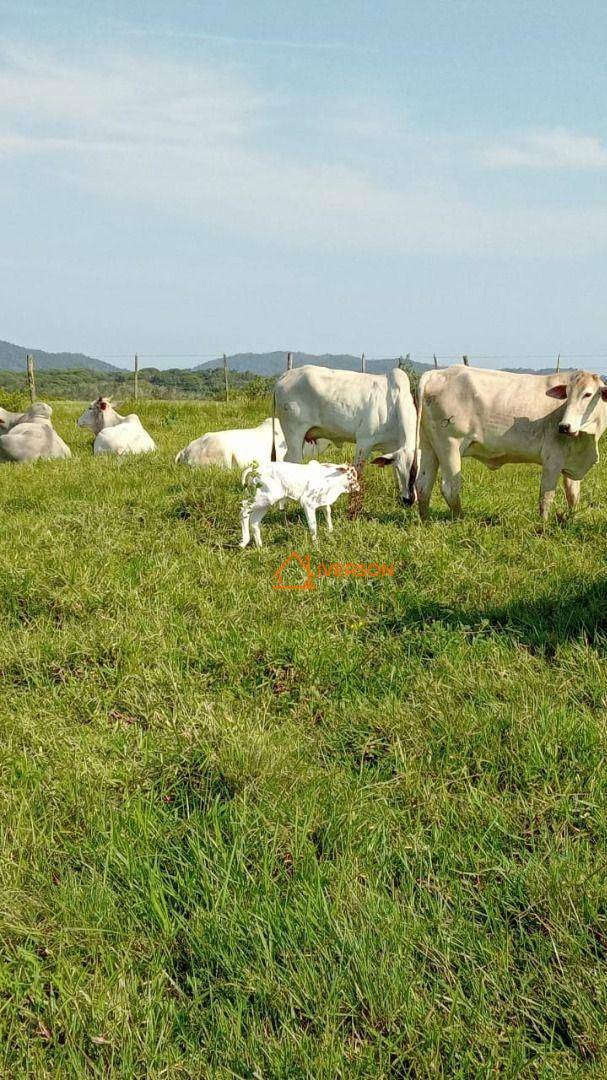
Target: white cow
8,420
317,484
376,412
236,447
32,436
239,447
499,418
115,434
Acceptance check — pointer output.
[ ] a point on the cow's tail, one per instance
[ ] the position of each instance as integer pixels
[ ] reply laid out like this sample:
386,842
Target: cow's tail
419,402
273,454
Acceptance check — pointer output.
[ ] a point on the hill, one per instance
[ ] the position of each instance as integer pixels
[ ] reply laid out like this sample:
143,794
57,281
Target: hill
274,363
13,357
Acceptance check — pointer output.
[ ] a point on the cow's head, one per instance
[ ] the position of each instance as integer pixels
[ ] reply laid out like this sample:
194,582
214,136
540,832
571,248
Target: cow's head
585,411
96,417
348,474
405,472
8,420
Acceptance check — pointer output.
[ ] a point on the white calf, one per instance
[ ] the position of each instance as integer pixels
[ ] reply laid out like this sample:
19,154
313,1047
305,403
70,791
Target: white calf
115,434
318,484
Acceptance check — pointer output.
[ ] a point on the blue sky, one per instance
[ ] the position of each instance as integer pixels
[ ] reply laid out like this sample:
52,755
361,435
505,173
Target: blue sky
388,177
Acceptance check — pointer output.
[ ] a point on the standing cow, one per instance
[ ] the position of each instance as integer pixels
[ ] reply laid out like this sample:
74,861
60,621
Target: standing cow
374,411
500,418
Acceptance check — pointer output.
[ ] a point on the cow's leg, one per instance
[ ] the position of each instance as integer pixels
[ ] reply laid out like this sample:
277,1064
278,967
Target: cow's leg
428,468
550,476
310,511
295,436
572,492
328,518
450,461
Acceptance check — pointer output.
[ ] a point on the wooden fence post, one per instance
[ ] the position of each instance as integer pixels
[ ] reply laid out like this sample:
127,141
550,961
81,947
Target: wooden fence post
31,380
466,360
225,376
136,377
289,361
363,363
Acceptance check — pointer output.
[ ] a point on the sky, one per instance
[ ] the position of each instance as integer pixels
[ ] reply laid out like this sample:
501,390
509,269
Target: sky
392,177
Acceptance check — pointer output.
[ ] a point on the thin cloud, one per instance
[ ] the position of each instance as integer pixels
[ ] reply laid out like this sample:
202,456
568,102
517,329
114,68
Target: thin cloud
556,149
224,39
199,142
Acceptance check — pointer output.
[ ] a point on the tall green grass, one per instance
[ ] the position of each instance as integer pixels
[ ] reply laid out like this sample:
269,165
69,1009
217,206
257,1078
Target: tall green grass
353,832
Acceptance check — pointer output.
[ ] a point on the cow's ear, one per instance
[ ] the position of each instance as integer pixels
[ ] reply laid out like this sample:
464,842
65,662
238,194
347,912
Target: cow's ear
604,393
559,392
381,462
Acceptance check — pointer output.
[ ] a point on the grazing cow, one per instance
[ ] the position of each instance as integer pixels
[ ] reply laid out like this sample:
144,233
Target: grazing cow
239,447
374,411
499,418
32,436
115,434
317,484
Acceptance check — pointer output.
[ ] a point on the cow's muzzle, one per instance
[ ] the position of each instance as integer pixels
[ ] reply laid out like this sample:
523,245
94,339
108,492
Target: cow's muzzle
565,429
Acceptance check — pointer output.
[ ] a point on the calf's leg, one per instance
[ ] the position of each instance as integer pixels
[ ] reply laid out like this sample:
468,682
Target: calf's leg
251,515
310,512
329,520
245,513
258,513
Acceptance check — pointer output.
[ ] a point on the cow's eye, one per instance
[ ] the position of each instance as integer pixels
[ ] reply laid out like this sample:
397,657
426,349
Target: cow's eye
587,394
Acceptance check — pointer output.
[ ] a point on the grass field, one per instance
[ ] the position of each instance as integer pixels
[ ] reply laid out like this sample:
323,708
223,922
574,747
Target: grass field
358,831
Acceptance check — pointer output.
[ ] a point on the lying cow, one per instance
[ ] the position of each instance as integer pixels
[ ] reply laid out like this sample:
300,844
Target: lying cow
374,411
115,434
31,436
499,418
318,484
8,420
239,447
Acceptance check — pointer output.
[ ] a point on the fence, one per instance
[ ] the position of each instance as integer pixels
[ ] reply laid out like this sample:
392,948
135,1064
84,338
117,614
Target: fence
401,362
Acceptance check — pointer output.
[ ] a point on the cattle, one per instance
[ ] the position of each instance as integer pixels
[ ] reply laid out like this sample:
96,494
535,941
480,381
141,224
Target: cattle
317,484
376,412
8,420
500,418
239,447
115,434
32,436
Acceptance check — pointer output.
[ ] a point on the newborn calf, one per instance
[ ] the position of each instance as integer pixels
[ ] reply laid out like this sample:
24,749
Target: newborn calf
316,485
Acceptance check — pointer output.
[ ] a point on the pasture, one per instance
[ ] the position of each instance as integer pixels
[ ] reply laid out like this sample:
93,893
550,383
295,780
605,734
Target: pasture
355,832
